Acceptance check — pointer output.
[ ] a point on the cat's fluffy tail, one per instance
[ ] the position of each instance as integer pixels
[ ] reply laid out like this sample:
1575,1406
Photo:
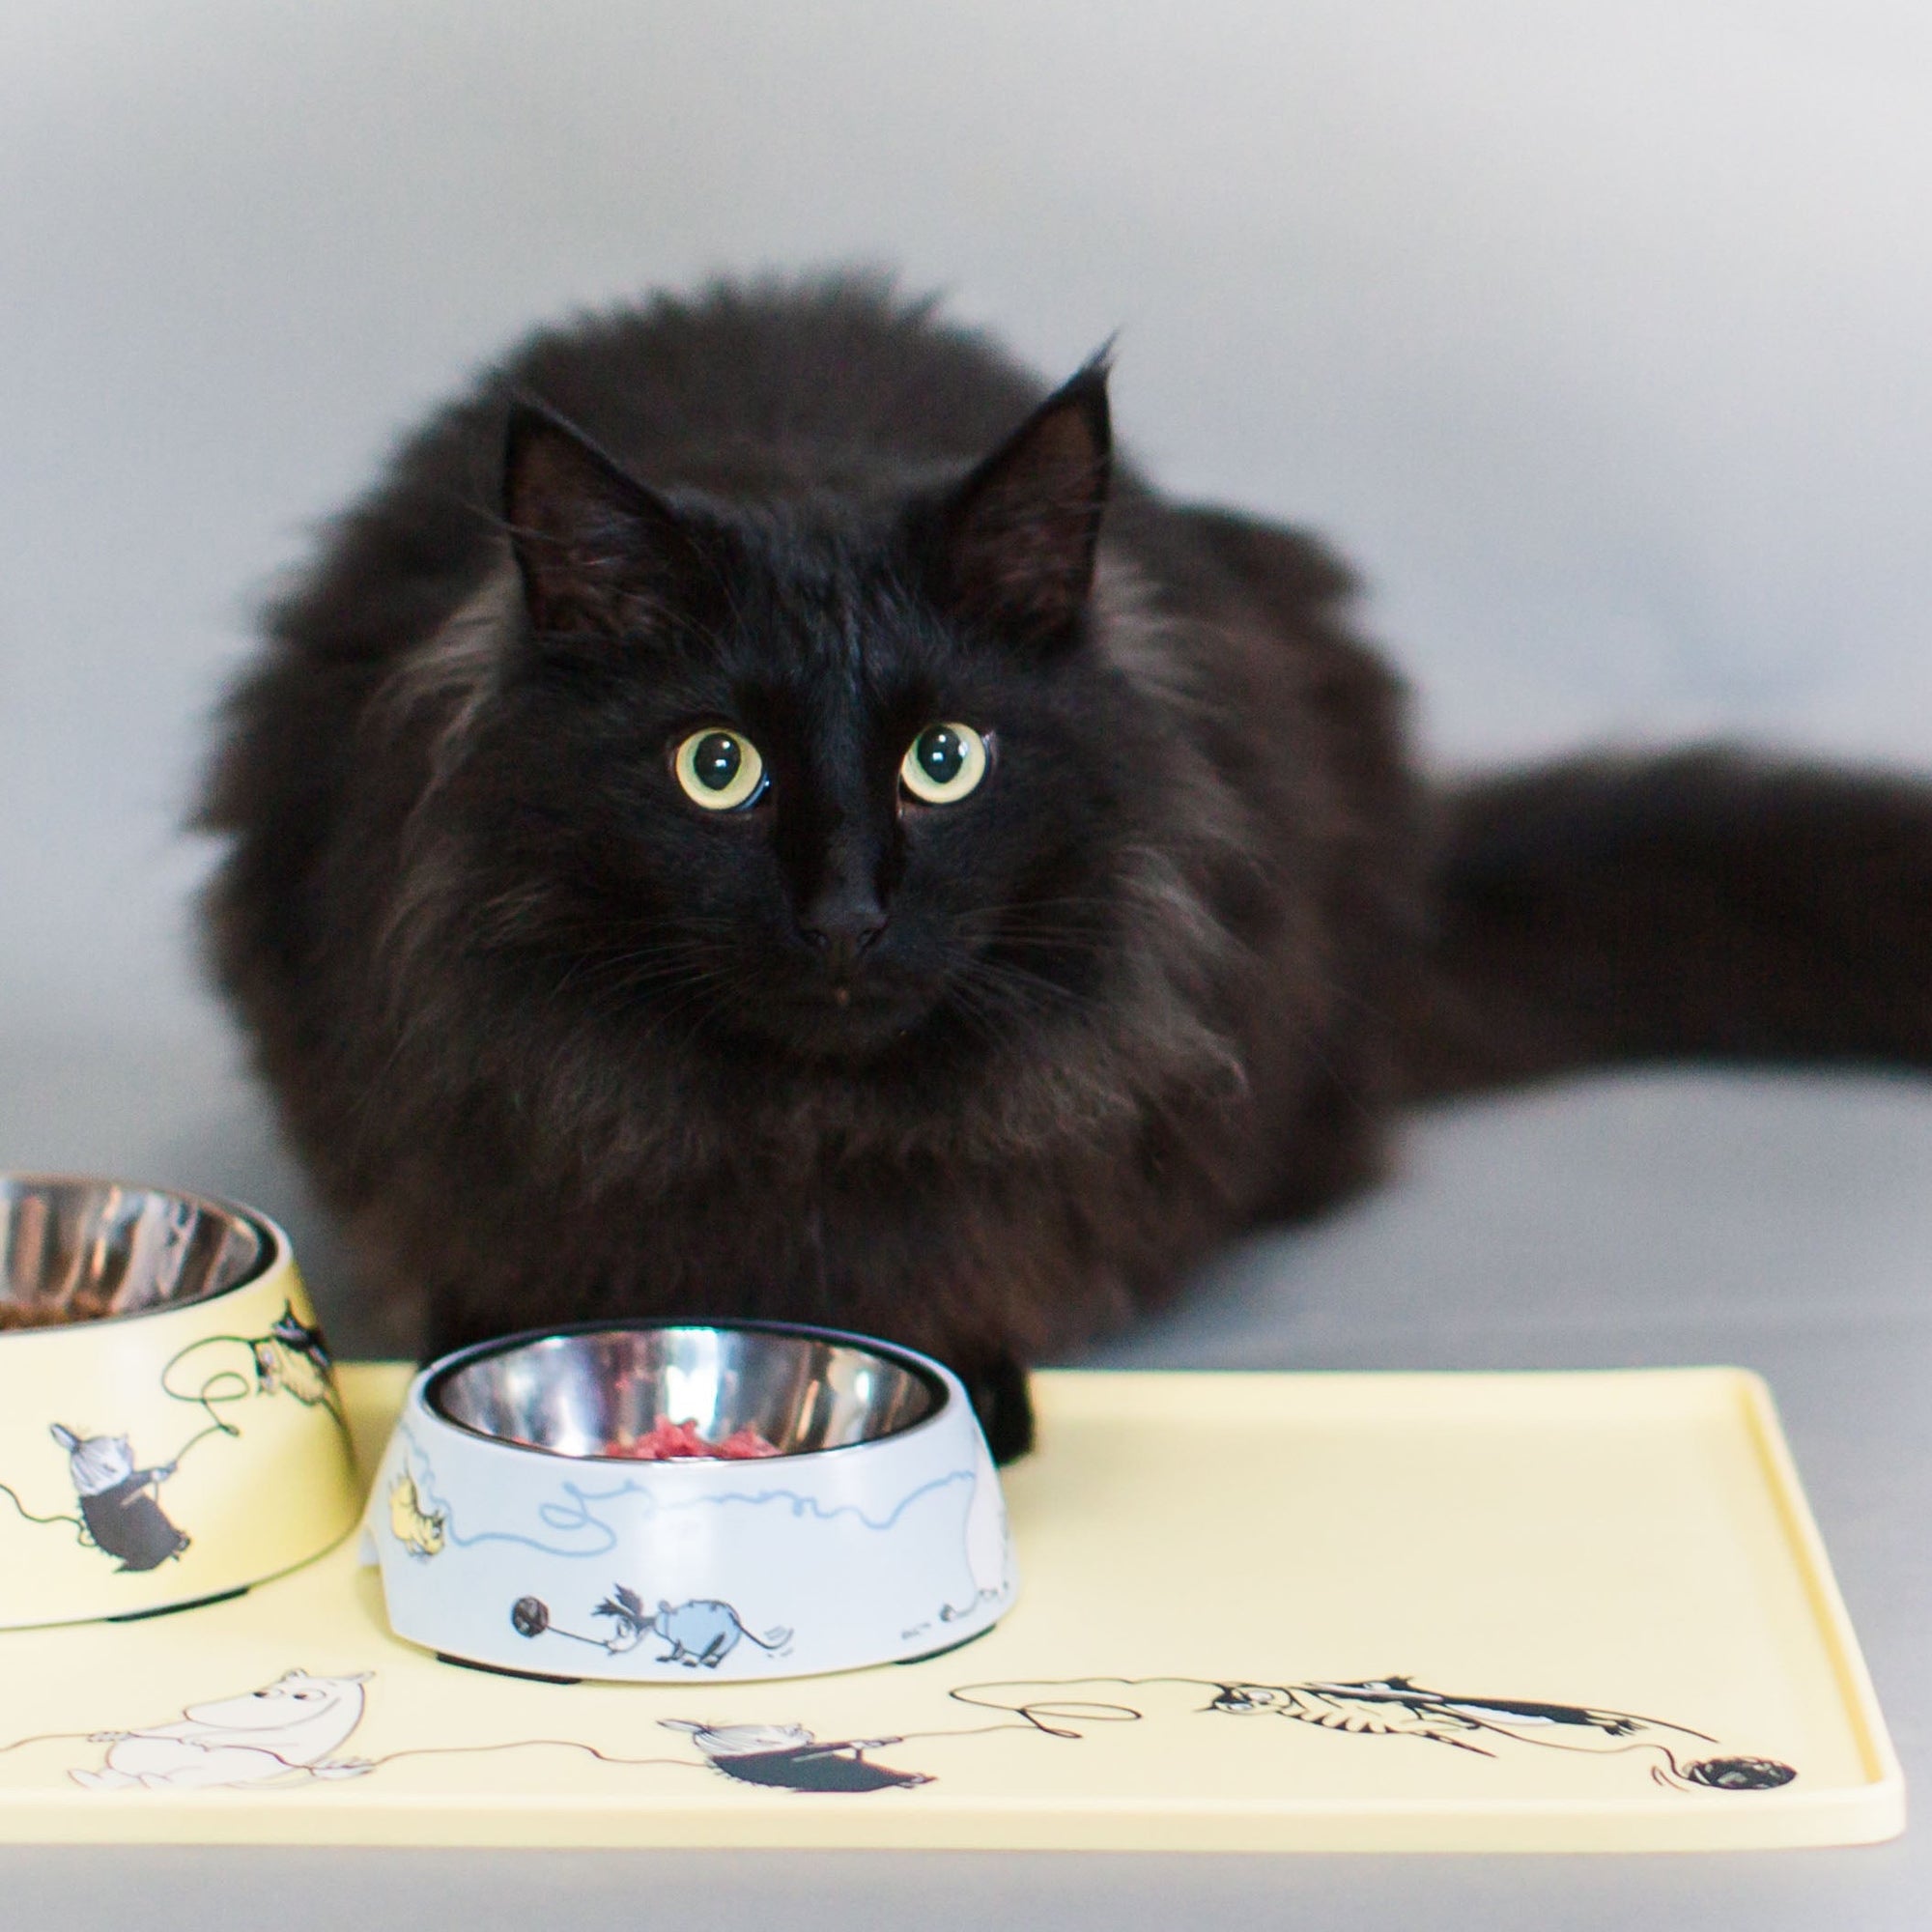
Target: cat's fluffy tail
1708,904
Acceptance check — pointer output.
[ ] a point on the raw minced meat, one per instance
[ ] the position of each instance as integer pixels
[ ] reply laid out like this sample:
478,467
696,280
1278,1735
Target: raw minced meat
671,1441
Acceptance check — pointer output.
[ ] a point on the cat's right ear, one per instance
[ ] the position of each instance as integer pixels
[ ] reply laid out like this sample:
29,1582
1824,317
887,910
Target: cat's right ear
601,556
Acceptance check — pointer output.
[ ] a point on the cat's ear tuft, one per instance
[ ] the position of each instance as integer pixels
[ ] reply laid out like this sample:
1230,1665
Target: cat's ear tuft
1016,541
601,556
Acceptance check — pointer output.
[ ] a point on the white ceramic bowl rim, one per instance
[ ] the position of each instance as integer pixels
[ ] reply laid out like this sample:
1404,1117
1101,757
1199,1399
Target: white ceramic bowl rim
930,1375
271,1248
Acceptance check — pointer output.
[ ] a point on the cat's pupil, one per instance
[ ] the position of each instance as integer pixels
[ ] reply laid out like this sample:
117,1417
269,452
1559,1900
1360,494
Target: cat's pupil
941,755
716,761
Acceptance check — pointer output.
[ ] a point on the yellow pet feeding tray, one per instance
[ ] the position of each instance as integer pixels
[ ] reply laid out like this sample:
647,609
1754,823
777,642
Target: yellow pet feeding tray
1552,1612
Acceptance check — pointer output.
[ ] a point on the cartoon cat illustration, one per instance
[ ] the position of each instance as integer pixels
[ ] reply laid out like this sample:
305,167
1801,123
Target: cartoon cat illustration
790,1757
1400,1707
289,1729
118,1503
702,1632
293,1356
419,1529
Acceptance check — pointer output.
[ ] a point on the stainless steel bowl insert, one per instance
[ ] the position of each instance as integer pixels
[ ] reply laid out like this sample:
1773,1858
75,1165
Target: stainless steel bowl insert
597,1391
81,1250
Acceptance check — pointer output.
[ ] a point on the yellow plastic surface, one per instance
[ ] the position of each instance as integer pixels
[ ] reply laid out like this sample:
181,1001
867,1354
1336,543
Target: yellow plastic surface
236,1434
1209,1563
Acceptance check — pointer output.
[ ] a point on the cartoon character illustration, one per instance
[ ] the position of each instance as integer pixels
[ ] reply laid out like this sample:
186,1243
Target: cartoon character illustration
1400,1707
790,1757
289,1730
988,1552
219,1372
988,1562
1068,1709
701,1632
418,1529
293,1356
1740,1773
118,1504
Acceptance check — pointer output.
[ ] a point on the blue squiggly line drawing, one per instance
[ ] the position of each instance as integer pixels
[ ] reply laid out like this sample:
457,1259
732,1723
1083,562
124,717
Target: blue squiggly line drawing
426,1489
577,1514
415,1460
556,1516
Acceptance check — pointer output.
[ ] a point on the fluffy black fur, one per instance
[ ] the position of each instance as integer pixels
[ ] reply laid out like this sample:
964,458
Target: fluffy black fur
983,1077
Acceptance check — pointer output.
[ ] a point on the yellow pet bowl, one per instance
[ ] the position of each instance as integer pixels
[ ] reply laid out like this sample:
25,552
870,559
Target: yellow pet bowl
169,1424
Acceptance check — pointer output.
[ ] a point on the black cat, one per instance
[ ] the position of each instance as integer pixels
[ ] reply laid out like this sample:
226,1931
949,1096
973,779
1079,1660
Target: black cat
759,814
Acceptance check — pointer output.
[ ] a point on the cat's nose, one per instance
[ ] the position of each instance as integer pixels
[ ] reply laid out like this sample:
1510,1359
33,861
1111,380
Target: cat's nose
841,935
842,922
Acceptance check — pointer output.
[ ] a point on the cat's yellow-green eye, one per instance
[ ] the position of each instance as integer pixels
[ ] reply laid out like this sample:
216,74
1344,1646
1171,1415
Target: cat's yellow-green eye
719,770
944,764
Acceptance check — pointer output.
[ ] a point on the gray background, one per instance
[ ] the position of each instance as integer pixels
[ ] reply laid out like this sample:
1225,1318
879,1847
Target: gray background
1596,335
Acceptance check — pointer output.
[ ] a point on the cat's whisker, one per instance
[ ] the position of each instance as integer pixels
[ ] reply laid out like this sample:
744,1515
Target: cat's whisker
1011,989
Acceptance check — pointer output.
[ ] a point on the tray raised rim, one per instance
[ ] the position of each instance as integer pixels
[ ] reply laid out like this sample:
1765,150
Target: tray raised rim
1865,1813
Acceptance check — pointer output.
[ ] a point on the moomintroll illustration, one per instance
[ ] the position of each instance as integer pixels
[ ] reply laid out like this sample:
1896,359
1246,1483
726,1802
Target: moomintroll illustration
288,1730
988,1548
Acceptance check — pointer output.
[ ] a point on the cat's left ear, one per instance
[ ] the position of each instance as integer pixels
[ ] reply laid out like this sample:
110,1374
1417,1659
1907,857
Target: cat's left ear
1012,545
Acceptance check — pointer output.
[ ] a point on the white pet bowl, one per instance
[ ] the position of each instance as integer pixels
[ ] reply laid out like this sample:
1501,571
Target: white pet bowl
514,1530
